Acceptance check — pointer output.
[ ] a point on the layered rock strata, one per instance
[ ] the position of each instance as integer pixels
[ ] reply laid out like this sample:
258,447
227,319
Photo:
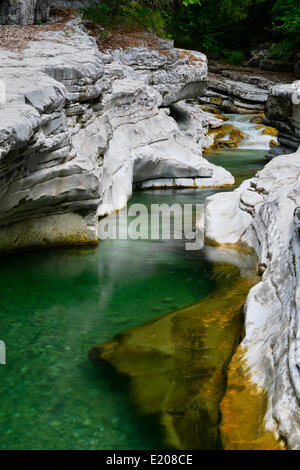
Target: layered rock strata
240,90
234,96
79,127
283,112
263,213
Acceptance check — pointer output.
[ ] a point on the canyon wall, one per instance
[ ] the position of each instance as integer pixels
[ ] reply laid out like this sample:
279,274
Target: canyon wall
263,213
235,93
283,112
78,128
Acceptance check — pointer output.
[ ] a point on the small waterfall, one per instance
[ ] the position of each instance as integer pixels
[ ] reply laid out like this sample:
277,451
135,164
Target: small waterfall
254,139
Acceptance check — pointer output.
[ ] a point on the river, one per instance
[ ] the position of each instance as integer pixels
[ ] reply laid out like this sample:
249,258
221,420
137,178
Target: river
56,305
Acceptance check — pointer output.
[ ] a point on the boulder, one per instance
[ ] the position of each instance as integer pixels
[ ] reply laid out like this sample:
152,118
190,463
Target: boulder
262,58
257,55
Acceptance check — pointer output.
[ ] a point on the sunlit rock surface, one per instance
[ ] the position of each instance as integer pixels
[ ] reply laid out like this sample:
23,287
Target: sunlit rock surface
176,74
264,214
79,127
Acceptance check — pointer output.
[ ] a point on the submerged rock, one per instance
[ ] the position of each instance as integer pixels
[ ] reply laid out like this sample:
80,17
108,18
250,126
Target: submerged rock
177,363
270,131
243,410
258,119
273,143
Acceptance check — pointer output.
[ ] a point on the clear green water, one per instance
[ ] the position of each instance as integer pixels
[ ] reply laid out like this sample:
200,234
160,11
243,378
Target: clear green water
243,164
56,305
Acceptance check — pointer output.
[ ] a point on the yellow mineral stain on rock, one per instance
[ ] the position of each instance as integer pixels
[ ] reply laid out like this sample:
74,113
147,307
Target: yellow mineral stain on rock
216,100
273,143
258,119
270,131
177,363
243,411
226,136
212,110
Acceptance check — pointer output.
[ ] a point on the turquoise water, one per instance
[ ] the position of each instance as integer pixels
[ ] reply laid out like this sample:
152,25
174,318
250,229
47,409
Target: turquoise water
243,164
55,305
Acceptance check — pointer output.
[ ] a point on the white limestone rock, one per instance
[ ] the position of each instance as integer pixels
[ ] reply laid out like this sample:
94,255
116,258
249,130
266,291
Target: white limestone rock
264,214
76,132
193,122
71,3
283,110
234,95
175,73
220,208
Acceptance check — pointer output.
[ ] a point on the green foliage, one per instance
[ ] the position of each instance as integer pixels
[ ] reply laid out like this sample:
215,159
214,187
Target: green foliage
226,28
287,24
187,3
289,19
285,50
132,14
139,15
209,24
234,57
100,13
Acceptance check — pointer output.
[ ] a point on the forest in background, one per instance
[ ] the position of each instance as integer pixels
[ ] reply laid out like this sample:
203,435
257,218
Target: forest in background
224,29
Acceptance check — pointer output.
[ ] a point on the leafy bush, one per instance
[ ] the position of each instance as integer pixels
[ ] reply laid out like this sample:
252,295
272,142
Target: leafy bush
100,13
234,57
227,27
287,24
132,14
138,15
289,18
285,50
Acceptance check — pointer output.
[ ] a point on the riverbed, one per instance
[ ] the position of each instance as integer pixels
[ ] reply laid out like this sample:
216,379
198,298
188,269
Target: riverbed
56,305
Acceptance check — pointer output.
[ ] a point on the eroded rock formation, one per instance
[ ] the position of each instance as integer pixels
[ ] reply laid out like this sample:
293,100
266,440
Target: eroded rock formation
283,108
79,127
234,96
236,89
264,214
